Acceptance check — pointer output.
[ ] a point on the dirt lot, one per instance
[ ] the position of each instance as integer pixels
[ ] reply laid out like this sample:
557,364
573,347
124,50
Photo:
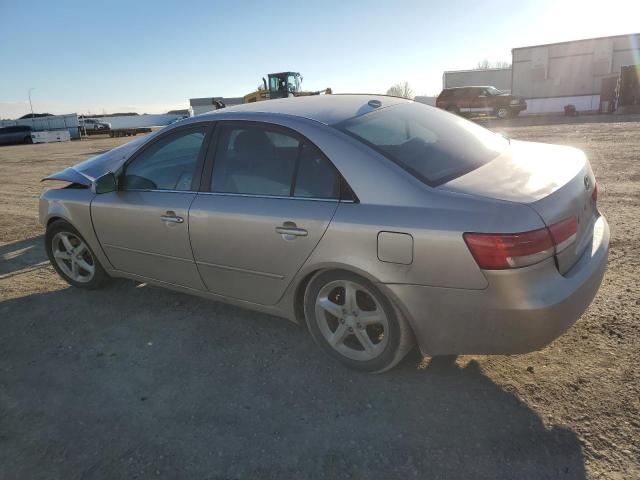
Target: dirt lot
134,381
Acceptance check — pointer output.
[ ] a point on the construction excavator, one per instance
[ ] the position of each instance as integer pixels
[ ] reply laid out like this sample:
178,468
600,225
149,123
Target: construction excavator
281,85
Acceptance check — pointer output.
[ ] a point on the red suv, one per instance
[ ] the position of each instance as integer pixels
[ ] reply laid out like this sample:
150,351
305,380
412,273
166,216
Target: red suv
480,100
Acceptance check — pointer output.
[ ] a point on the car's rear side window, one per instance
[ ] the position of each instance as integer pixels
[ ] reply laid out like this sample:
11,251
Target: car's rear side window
431,144
254,159
315,176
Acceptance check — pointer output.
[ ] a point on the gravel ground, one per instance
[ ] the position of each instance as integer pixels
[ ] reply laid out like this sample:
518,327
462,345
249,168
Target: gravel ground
135,381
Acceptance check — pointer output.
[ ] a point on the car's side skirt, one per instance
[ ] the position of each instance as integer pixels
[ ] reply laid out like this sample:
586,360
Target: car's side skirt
271,310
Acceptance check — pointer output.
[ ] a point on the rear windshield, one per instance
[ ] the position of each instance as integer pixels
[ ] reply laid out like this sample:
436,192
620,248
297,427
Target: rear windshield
433,145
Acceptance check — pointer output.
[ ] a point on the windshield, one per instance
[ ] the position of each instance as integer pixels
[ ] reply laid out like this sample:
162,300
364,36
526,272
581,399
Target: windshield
293,83
433,145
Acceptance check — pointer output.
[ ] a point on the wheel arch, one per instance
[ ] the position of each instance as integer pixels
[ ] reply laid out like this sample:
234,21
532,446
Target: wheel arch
299,285
74,207
296,301
55,218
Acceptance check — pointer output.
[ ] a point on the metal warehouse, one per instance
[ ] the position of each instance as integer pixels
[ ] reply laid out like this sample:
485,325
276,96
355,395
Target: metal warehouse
496,77
580,73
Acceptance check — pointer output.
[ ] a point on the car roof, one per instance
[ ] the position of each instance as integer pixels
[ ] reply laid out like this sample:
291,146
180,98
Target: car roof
327,109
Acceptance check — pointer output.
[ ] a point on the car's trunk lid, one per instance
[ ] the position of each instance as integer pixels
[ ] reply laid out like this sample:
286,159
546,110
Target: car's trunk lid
556,181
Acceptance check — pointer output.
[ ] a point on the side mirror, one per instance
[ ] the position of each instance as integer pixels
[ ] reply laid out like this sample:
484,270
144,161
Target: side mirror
106,183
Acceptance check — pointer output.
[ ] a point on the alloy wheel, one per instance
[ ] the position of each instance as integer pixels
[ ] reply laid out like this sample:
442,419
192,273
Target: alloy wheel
73,257
352,320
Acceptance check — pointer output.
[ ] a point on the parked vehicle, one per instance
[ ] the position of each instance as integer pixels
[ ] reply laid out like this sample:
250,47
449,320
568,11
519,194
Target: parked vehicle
92,125
375,220
15,134
480,101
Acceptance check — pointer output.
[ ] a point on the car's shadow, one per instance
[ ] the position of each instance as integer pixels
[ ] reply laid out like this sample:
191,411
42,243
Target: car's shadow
22,255
136,381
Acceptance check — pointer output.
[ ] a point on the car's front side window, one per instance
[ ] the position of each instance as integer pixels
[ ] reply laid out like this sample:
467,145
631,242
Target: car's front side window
168,164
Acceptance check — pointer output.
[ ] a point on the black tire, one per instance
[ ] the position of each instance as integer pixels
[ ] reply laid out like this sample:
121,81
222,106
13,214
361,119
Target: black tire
400,337
502,113
99,278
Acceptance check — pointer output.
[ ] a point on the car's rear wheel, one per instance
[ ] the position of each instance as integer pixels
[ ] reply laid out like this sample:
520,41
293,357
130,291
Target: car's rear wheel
502,112
355,323
72,257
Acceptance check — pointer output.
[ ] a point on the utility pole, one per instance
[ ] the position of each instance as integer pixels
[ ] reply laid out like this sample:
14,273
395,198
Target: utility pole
31,105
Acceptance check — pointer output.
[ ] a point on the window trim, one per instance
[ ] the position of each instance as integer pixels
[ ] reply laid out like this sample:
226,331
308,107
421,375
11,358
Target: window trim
345,194
200,162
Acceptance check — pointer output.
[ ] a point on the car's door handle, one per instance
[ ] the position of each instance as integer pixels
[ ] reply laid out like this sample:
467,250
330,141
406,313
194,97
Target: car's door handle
290,229
171,217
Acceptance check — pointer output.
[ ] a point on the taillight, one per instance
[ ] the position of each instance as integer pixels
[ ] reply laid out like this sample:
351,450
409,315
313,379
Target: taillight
594,193
564,233
499,251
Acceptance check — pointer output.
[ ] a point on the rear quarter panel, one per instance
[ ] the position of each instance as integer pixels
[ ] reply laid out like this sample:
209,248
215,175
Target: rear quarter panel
440,255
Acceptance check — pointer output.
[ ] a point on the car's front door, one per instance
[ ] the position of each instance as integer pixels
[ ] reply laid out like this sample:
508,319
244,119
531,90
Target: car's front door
144,226
479,102
270,199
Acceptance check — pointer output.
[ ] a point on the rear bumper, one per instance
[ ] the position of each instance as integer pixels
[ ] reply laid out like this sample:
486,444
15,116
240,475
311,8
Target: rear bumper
520,311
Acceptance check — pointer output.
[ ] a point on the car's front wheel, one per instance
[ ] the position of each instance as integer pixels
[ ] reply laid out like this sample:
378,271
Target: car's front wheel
355,323
72,257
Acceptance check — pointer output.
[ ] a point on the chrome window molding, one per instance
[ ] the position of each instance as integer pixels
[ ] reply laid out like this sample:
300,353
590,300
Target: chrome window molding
157,190
279,197
250,195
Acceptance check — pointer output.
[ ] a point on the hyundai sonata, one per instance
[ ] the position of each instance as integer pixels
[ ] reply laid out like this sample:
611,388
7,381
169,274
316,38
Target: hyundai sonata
377,221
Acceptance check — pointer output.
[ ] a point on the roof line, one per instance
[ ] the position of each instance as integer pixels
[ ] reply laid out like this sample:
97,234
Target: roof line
578,40
259,113
478,70
374,94
471,86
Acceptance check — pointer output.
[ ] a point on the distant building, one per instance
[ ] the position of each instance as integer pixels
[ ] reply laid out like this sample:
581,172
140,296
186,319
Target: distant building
496,77
208,104
579,72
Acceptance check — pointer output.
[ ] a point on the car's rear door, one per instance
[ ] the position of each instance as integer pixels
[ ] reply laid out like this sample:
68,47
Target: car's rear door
268,197
144,226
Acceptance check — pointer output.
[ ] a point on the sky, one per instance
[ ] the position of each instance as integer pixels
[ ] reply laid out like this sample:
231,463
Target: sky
152,56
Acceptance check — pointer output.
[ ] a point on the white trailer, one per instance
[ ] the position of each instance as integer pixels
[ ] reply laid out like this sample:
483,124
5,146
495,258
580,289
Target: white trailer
49,136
